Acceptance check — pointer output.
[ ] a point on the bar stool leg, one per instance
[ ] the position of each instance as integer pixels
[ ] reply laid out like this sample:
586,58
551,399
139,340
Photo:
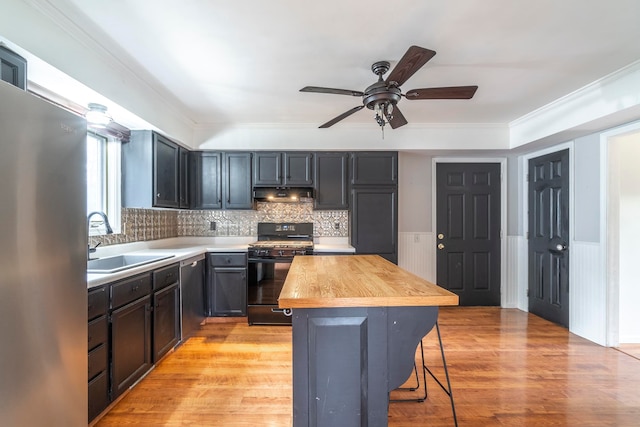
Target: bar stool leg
446,373
424,382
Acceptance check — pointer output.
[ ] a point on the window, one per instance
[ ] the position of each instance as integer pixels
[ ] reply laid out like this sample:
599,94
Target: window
103,181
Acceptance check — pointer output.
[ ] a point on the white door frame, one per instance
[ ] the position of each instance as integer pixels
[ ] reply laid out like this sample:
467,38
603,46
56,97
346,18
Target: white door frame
503,212
609,234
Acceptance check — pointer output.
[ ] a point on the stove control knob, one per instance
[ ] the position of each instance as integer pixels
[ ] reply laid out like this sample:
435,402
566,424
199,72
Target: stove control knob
281,252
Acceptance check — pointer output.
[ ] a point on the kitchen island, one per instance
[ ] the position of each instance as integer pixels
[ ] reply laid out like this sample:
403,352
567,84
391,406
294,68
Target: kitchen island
357,321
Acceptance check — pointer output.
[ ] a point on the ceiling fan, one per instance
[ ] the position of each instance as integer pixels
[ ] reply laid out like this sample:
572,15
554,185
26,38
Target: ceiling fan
383,95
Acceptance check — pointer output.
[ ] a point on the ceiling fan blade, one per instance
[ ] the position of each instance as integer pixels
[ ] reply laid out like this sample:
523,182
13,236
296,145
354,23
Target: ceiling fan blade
341,116
455,92
412,61
317,89
397,118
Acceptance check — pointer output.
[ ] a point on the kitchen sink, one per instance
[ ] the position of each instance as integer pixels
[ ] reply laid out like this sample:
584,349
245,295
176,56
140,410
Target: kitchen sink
121,262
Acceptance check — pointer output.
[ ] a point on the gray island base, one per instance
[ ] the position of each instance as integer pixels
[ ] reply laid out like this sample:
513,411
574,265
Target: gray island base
347,360
357,321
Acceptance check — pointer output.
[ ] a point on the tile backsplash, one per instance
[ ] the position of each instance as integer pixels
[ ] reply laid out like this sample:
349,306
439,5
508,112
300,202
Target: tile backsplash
153,224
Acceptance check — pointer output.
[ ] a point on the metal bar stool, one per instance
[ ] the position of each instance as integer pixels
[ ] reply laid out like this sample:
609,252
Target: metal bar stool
426,370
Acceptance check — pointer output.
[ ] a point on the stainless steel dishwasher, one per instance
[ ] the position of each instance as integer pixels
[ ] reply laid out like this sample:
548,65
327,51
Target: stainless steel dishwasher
193,304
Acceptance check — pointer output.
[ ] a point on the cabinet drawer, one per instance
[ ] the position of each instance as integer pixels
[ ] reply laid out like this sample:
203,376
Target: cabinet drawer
166,276
130,289
228,260
97,333
97,360
97,302
98,395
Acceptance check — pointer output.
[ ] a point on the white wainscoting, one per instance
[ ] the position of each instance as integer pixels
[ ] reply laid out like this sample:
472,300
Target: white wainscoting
415,254
587,293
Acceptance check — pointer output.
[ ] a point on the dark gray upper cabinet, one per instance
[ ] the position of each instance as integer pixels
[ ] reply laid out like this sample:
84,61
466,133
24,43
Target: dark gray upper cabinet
374,221
374,168
166,173
183,182
298,169
152,174
205,173
331,180
283,169
267,169
374,203
13,68
236,186
220,180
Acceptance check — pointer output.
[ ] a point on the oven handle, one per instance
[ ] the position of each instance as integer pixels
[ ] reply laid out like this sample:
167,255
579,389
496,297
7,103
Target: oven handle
286,311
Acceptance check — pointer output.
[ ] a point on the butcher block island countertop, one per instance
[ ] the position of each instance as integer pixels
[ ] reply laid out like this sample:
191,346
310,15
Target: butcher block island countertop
357,281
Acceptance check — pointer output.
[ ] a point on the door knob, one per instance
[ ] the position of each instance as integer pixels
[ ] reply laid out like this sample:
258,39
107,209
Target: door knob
440,246
440,236
560,247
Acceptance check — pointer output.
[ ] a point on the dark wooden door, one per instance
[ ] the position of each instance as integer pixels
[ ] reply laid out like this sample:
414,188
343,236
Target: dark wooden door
549,237
468,231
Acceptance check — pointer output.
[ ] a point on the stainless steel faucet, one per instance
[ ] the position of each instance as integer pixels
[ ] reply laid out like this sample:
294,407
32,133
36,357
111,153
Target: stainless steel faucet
91,250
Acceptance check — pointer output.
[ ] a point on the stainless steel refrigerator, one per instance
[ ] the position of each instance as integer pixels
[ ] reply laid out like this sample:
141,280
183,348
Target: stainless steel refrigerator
43,243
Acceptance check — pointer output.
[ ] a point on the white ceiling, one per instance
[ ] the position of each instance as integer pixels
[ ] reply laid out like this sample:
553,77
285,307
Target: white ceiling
238,62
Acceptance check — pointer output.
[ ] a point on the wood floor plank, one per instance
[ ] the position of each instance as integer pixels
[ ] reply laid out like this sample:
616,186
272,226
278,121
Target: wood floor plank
507,368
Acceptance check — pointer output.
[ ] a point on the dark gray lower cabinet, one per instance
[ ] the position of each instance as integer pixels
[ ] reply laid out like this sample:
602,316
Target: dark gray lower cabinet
132,323
227,284
130,344
166,320
166,310
98,347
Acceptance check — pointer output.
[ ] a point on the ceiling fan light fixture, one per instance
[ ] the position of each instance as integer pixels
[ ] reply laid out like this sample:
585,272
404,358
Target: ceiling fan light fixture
97,115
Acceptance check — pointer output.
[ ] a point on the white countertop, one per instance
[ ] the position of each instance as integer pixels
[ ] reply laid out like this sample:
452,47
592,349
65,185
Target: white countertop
183,248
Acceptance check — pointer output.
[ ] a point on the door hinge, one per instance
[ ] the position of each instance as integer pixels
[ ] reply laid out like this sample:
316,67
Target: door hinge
527,293
527,177
527,235
501,233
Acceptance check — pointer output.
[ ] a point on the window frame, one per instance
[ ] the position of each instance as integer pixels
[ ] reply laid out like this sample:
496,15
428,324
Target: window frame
110,179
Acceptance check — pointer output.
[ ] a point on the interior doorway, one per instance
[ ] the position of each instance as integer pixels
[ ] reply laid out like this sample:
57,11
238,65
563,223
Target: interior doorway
622,233
500,165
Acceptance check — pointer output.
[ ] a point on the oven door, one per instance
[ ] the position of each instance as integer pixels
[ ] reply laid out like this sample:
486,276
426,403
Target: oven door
265,281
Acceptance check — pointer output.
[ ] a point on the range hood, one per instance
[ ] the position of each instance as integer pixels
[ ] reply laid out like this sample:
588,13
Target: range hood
282,194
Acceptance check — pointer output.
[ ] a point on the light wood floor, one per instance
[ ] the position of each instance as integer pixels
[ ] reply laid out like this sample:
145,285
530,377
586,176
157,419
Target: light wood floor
507,368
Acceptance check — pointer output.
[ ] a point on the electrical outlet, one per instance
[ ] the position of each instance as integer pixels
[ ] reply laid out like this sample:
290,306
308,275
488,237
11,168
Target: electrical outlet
212,225
336,225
